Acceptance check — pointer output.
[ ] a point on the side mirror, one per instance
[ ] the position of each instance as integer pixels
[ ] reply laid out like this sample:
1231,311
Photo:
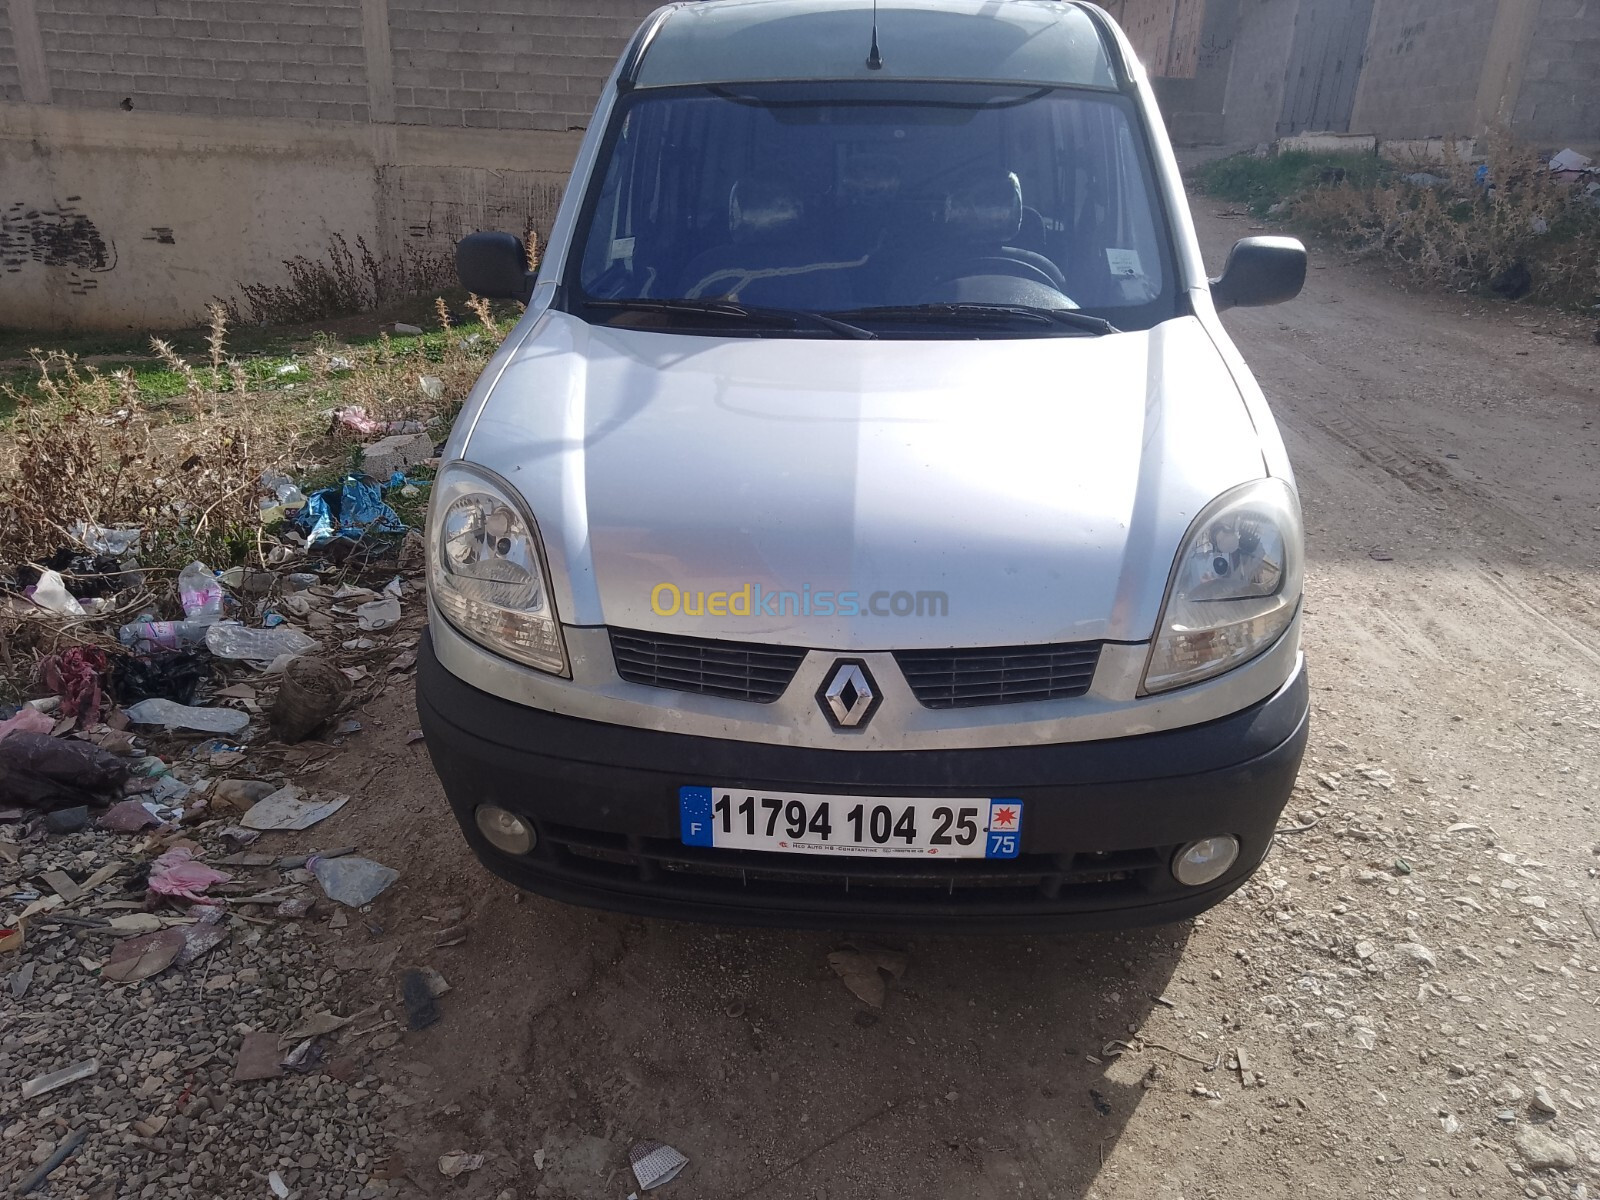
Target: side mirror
494,266
1260,270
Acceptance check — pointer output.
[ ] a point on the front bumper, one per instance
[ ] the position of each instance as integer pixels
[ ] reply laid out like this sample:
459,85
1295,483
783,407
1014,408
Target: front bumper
1103,817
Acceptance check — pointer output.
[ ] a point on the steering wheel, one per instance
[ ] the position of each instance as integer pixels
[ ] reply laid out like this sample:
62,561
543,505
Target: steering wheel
1000,264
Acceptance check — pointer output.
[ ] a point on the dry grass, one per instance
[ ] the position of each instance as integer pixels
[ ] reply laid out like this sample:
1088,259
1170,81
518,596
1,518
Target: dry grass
1460,234
87,446
345,281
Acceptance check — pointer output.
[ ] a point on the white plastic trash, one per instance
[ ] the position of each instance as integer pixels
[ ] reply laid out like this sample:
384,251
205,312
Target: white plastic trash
379,614
351,881
182,716
229,639
655,1164
52,594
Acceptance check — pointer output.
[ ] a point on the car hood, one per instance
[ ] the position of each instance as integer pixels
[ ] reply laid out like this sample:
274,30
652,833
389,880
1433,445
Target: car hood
1039,486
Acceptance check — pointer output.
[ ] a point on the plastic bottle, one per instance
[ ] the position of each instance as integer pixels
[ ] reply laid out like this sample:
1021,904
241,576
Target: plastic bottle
147,636
229,639
200,593
181,716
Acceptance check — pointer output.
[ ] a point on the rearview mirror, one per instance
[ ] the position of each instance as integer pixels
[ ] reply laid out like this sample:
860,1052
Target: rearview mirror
494,266
1260,270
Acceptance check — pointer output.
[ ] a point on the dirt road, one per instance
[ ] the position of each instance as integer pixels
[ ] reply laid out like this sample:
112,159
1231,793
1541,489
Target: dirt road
1375,1015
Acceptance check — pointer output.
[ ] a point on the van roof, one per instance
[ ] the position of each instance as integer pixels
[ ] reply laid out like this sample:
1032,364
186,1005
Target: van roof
1052,42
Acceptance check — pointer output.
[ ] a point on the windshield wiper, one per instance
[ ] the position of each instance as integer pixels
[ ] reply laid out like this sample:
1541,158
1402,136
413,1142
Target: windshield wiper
792,317
944,312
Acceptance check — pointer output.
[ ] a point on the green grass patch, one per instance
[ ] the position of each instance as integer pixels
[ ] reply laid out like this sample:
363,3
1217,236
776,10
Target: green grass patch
1264,182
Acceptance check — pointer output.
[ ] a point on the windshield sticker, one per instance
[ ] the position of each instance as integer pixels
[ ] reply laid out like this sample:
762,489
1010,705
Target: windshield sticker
1124,263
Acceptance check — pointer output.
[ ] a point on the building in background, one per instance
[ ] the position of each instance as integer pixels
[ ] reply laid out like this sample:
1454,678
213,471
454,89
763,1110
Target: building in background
154,154
1234,73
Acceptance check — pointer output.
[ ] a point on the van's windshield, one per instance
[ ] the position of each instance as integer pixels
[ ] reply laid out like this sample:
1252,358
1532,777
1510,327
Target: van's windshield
897,207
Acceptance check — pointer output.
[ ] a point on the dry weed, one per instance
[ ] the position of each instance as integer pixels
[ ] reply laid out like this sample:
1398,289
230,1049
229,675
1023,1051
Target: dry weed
1518,229
345,281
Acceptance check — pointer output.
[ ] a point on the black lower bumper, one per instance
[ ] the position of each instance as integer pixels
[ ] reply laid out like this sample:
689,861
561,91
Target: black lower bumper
1103,818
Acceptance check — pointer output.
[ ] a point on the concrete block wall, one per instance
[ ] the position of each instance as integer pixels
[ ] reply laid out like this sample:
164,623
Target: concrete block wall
1423,68
1559,100
234,58
501,64
1253,101
10,85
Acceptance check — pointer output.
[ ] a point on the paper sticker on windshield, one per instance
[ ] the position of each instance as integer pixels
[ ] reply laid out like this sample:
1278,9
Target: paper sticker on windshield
621,248
1124,264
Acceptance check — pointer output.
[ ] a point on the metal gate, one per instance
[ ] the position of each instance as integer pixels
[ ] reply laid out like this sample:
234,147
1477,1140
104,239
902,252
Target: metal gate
1330,40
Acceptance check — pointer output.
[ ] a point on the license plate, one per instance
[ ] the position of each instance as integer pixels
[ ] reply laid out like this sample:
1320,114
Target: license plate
806,823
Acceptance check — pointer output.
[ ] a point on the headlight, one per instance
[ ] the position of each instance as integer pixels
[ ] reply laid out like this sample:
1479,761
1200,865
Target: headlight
486,569
1235,587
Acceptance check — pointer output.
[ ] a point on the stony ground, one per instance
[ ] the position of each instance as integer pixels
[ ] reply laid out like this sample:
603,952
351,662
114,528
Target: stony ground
1402,1003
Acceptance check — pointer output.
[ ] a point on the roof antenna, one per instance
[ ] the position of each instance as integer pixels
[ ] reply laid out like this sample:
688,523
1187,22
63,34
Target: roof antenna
874,57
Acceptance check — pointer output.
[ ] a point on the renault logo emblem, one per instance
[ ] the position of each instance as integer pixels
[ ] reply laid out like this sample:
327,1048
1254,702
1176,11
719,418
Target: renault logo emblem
849,697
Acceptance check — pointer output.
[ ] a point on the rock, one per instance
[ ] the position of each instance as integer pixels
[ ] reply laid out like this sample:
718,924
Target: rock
1506,1093
66,820
1417,953
1544,1102
395,453
1543,1152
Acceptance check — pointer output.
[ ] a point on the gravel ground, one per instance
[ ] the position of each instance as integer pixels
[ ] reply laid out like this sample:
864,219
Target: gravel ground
163,1114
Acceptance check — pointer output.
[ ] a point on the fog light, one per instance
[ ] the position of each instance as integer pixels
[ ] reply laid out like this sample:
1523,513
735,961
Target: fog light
1200,862
505,830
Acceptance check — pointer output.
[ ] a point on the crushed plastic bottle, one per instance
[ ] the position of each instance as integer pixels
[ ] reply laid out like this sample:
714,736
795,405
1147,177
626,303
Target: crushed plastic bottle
200,593
229,639
182,716
147,636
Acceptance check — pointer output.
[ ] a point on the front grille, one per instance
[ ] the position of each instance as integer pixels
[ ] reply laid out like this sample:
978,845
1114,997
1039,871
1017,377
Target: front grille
967,678
736,670
851,883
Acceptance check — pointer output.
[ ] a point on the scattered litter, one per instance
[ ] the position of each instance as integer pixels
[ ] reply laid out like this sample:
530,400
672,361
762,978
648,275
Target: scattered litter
276,1183
284,809
200,593
75,674
351,510
67,820
359,644
316,1026
62,885
26,720
21,979
51,594
41,1084
147,635
353,882
307,1056
866,971
228,639
182,716
379,614
404,327
11,938
113,541
206,934
655,1164
417,993
259,1058
169,675
241,794
313,690
176,873
295,908
416,735
43,772
143,956
65,1149
458,1162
